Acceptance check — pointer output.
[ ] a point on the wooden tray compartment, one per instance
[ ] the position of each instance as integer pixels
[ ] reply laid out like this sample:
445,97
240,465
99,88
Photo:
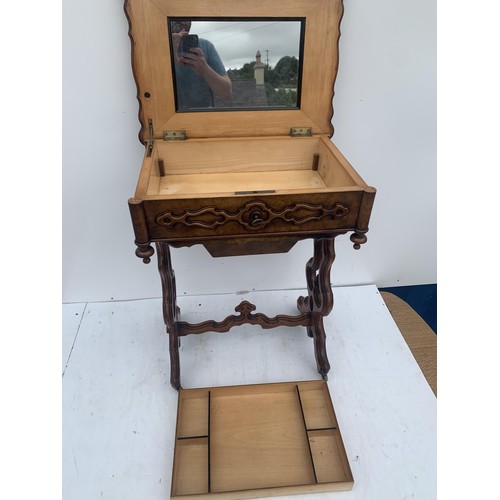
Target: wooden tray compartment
232,167
207,189
258,440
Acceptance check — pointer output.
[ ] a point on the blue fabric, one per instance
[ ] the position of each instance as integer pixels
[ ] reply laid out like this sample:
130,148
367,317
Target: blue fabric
192,89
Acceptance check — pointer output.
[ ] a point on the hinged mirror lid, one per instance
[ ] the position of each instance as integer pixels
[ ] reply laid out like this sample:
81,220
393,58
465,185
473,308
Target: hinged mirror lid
312,54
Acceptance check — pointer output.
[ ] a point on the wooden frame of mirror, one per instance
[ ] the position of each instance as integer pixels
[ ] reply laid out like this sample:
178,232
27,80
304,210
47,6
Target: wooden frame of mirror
153,68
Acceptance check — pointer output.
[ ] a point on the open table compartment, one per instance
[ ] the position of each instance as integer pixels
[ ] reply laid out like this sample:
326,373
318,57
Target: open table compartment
258,440
232,167
234,190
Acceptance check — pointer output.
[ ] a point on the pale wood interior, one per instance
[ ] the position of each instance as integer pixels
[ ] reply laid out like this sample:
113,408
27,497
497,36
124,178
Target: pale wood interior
267,450
191,467
316,412
327,456
213,167
195,407
269,437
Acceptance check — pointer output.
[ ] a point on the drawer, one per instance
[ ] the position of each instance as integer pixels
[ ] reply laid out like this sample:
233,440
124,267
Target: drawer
251,216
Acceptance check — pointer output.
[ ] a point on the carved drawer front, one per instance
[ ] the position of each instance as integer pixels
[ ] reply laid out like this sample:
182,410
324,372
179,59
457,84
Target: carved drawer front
202,218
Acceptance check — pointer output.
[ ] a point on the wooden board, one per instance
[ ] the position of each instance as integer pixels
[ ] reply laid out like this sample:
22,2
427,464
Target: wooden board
234,183
154,78
420,338
258,440
224,167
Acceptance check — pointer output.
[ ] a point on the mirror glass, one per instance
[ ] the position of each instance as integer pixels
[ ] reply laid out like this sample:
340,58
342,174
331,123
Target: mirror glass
236,64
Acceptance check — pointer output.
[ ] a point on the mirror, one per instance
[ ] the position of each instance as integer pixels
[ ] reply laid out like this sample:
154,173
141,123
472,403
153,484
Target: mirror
236,64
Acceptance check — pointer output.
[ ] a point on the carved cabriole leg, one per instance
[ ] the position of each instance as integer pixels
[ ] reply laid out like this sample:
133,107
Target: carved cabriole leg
171,312
319,301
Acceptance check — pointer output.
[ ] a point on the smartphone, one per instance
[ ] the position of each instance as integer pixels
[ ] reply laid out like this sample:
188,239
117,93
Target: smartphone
188,42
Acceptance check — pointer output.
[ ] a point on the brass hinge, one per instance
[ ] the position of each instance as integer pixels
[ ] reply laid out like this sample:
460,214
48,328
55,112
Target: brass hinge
301,131
174,135
151,141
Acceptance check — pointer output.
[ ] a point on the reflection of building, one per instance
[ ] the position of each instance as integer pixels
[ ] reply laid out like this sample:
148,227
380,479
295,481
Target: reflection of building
258,69
247,92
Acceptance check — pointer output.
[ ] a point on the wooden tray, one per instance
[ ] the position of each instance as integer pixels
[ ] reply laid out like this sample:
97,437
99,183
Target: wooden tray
258,440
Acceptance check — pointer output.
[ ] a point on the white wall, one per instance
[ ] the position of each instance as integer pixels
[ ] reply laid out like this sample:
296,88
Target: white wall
385,124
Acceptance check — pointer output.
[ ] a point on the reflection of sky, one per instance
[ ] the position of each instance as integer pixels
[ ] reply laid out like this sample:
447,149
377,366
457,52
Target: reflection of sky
238,42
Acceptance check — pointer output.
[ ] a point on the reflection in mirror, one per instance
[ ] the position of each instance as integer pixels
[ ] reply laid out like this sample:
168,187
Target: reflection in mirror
236,64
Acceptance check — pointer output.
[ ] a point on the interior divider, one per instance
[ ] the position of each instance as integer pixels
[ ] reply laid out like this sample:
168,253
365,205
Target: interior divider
183,438
318,429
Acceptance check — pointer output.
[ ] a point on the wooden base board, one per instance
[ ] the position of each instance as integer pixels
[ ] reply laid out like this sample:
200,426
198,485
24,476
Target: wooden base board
258,440
242,181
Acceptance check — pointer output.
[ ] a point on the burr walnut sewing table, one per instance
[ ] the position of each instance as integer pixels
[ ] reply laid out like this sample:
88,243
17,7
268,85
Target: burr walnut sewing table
244,180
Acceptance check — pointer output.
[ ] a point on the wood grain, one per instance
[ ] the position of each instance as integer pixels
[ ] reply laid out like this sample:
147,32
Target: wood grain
191,467
259,443
230,183
153,69
216,167
247,154
326,454
420,338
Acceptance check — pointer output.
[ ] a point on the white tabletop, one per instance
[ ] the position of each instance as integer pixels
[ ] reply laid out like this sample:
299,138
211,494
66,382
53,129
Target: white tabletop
119,411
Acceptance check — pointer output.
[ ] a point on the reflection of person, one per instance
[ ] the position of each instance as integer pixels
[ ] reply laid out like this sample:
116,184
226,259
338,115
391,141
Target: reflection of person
199,74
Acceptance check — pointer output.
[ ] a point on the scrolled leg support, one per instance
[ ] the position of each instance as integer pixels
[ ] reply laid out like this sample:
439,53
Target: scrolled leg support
319,302
171,312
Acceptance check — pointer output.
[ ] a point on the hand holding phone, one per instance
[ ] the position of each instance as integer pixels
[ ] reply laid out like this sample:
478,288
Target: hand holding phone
189,42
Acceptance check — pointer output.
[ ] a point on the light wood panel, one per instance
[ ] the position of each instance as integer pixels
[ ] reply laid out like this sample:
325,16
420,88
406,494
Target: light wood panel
326,454
153,71
315,408
420,338
237,155
337,170
259,442
195,407
232,183
215,167
191,467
